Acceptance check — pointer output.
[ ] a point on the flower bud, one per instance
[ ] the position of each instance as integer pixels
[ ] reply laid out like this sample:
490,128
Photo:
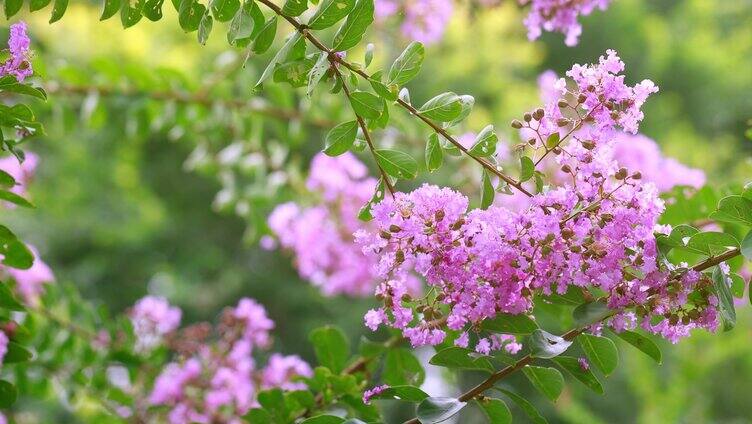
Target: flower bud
581,98
527,117
538,114
566,168
621,174
395,228
516,124
637,175
563,103
562,122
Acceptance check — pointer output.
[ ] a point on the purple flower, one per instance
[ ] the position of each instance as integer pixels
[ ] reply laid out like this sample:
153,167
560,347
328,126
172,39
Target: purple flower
560,16
584,364
18,64
368,394
152,318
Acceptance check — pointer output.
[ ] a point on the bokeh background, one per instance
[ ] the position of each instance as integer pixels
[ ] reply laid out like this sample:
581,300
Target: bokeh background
134,196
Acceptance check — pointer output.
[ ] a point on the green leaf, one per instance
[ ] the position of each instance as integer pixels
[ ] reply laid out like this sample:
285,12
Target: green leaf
364,214
553,140
590,312
401,367
324,419
330,12
9,83
466,102
487,190
317,72
438,409
6,180
341,138
16,353
442,108
408,64
601,352
279,57
527,169
642,343
294,8
585,376
7,300
485,142
351,32
434,154
460,358
242,24
190,15
153,10
734,209
725,299
496,410
17,255
526,406
382,90
130,15
58,10
224,10
548,381
204,28
11,197
510,324
331,347
747,246
12,7
368,56
365,104
406,393
546,345
396,163
265,37
8,394
711,243
35,5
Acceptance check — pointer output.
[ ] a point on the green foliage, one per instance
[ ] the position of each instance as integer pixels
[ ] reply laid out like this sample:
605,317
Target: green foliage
437,409
546,345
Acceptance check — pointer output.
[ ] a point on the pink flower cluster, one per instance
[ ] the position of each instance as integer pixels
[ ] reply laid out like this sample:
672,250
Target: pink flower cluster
320,237
30,282
422,20
3,346
560,16
218,381
18,64
595,230
374,391
153,318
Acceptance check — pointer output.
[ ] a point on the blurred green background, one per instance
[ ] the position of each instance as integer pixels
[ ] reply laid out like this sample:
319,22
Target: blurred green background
120,214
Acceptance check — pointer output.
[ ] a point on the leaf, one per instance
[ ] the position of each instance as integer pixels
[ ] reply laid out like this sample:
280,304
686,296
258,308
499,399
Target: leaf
496,410
6,180
351,32
725,299
747,246
460,358
265,37
406,393
443,108
434,154
466,102
510,324
9,83
364,214
590,312
438,409
546,345
642,343
242,24
11,197
35,5
8,394
204,28
279,57
190,14
711,243
407,65
527,169
584,376
224,10
317,72
548,381
553,140
130,15
526,406
7,300
331,347
294,8
396,163
601,352
382,90
734,209
17,255
12,7
330,12
58,10
153,10
365,104
16,353
324,419
487,190
341,138
401,367
485,142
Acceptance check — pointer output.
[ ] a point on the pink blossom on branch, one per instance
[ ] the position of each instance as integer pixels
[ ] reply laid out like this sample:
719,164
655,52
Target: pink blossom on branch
559,16
18,64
